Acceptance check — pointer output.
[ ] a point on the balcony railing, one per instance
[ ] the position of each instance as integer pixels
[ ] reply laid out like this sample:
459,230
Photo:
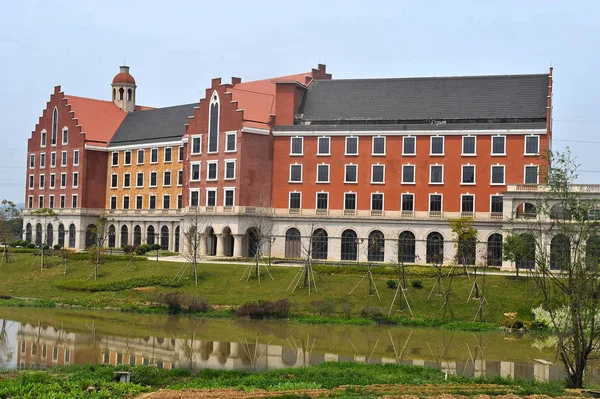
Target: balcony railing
349,212
322,212
496,215
467,215
407,214
376,213
294,211
435,214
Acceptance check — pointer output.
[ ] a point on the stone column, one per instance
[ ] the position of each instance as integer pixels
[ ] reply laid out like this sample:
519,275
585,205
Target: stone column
202,245
220,244
237,245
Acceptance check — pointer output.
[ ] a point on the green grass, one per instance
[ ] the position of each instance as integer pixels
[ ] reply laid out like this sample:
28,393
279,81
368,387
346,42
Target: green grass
118,287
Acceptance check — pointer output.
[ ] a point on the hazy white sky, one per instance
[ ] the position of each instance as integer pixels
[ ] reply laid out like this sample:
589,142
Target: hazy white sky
174,48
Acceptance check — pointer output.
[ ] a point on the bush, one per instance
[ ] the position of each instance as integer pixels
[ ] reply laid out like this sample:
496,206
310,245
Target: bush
173,300
142,249
393,284
128,249
323,307
57,247
31,245
346,308
371,311
120,285
416,284
19,243
155,247
198,305
264,309
538,326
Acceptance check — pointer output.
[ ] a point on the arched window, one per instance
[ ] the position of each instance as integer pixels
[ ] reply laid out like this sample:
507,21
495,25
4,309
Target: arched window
319,244
293,245
112,236
114,94
121,92
54,125
526,210
494,250
177,239
435,248
213,124
406,247
592,253
465,251
38,234
49,235
90,235
61,235
164,238
557,212
28,229
349,245
150,235
560,252
124,236
210,241
252,242
228,241
129,95
72,236
527,259
137,236
376,250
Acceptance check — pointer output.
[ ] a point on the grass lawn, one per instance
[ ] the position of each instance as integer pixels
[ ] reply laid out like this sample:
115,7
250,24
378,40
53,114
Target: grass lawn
220,284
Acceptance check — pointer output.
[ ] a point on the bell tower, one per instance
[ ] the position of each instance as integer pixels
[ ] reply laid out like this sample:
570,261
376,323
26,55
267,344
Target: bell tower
123,90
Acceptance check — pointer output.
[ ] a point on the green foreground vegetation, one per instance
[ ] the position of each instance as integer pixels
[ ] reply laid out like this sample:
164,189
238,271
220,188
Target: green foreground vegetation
337,379
140,287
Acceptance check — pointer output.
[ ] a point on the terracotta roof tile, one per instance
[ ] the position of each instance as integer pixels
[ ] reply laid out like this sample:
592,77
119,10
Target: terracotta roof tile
98,119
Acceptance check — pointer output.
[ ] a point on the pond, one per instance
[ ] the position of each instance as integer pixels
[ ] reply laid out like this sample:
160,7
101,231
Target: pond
42,338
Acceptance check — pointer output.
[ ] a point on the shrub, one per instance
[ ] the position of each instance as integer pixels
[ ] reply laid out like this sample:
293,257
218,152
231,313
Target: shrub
264,309
538,326
323,307
173,300
57,247
371,311
142,249
416,284
393,284
19,243
346,308
3,296
120,285
31,245
155,247
128,249
198,305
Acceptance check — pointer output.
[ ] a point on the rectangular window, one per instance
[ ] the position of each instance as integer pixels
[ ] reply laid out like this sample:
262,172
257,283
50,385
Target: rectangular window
230,142
323,146
166,201
63,158
63,200
437,145
377,202
531,174
180,177
43,139
114,181
497,174
51,202
195,175
351,174
113,202
230,170
468,174
139,202
350,201
378,146
126,180
153,179
295,173
140,157
322,200
75,157
30,202
42,181
154,155
323,173
167,178
196,145
139,179
532,145
152,202
52,159
467,203
497,204
211,197
351,146
295,200
194,198
52,180
180,154
296,146
127,160
409,145
211,171
65,136
42,160
469,144
408,202
377,174
63,180
31,181
41,201
498,145
229,197
179,201
435,202
31,161
115,159
74,201
408,174
168,154
436,174
126,202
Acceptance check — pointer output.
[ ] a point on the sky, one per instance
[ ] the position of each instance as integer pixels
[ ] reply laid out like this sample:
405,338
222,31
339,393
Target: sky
174,48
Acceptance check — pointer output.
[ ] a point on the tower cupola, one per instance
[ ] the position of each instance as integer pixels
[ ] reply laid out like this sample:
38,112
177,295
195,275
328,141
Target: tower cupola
123,90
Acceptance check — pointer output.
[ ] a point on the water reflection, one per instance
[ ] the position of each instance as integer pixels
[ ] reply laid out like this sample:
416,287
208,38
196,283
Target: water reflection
249,345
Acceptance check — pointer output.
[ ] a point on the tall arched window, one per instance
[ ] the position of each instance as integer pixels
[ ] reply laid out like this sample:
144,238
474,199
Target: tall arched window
137,236
50,235
376,250
213,124
121,92
319,244
150,235
38,234
164,238
61,235
54,125
28,229
114,94
129,95
211,241
124,236
435,248
527,259
349,245
112,236
465,251
560,252
177,229
292,243
494,250
90,235
406,247
592,252
72,236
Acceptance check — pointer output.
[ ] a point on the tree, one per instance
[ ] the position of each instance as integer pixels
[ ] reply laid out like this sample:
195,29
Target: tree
309,243
260,235
567,276
43,216
99,234
194,224
8,212
514,249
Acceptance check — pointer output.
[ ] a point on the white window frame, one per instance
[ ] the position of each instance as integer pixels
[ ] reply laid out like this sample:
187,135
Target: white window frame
234,134
441,202
137,156
125,158
462,150
182,177
52,181
124,179
30,202
301,173
199,137
345,167
31,161
208,190
461,202
355,199
372,173
192,164
214,99
373,146
292,154
112,158
152,149
431,154
414,174
346,153
503,154
42,181
317,198
170,178
111,180
537,174
61,180
136,201
75,200
53,159
51,199
163,201
430,170
180,153
62,204
496,195
525,147
40,201
31,182
165,154
136,179
503,175
402,202
328,173
208,163
290,199
65,130
73,180
319,146
228,161
63,158
128,202
462,170
75,157
225,189
382,201
43,138
43,160
407,154
155,203
150,179
194,190
111,200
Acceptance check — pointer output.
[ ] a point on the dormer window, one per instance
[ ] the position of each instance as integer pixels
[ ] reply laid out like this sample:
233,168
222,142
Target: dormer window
213,124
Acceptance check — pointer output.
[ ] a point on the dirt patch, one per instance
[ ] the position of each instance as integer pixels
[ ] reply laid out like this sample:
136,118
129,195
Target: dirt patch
144,288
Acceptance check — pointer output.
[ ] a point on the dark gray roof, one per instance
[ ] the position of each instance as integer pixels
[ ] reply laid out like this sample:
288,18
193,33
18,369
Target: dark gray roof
153,126
444,98
410,127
